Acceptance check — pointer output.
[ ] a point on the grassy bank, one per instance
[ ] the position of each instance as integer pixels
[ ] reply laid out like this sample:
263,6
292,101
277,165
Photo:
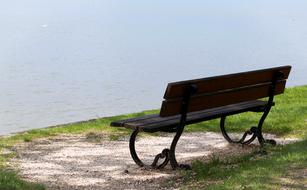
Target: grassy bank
287,118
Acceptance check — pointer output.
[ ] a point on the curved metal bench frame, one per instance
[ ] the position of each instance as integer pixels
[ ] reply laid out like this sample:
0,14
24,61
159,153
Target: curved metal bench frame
255,132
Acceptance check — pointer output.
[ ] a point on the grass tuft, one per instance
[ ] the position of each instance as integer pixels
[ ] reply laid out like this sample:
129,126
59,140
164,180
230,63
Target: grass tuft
9,180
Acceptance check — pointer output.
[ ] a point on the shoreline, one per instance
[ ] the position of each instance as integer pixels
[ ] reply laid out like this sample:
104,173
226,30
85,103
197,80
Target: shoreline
98,118
107,118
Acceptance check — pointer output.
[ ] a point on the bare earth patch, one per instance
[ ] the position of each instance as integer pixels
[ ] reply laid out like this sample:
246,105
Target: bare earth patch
75,162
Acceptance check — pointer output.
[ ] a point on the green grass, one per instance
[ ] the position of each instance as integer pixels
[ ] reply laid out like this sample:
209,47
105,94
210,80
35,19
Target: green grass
9,180
100,125
287,118
272,170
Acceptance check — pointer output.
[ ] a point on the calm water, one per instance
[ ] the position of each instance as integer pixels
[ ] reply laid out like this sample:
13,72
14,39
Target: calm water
70,60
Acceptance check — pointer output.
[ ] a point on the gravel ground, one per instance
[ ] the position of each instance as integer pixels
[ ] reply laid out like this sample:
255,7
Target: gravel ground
72,162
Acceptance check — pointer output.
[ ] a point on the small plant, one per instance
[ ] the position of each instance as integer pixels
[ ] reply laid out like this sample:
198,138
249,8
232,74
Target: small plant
94,137
114,137
27,139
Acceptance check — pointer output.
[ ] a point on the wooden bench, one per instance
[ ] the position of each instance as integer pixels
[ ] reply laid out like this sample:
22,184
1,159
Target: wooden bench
193,101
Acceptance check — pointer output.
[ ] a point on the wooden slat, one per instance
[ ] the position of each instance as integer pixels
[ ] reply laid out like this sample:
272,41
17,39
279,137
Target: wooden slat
176,118
152,120
213,113
121,123
153,123
217,83
221,98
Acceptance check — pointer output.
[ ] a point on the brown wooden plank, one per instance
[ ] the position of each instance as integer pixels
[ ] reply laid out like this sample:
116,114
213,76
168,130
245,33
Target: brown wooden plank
143,123
221,98
140,122
212,84
195,117
150,121
121,123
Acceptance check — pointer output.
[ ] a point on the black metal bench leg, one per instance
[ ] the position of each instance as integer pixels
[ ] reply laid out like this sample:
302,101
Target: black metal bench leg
256,132
172,155
278,75
132,148
261,140
252,132
163,155
188,92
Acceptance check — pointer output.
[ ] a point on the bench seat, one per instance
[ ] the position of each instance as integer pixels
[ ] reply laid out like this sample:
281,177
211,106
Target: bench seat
154,122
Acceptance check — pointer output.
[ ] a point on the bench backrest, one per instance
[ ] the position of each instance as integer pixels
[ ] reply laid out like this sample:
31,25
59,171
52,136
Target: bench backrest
224,90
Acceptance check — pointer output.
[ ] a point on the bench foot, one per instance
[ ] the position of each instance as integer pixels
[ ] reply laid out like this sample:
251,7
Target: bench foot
261,140
163,155
167,154
172,156
254,132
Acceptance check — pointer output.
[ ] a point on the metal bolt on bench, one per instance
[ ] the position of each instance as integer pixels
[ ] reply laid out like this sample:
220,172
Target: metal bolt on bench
194,101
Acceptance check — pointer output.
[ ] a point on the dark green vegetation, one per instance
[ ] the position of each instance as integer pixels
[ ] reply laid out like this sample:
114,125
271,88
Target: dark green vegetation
287,118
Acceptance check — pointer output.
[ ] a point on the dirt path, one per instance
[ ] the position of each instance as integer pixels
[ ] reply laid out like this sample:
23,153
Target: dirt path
76,162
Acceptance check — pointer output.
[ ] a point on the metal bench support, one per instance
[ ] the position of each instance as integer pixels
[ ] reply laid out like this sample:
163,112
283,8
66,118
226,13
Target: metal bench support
167,154
255,132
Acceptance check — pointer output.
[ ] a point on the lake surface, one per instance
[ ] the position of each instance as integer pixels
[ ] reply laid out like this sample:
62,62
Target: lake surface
71,60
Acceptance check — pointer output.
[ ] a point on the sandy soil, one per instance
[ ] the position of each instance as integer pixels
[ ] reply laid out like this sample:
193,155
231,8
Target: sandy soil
77,162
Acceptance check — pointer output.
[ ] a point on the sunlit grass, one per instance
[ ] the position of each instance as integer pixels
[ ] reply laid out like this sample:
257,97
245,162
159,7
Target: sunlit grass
253,171
10,181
